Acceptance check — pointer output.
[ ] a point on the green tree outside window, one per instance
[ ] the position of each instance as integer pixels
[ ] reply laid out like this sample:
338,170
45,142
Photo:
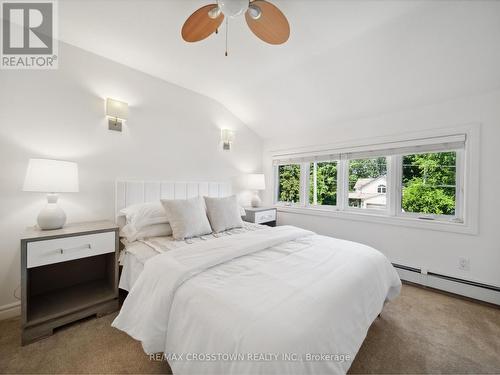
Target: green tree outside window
429,183
289,183
326,183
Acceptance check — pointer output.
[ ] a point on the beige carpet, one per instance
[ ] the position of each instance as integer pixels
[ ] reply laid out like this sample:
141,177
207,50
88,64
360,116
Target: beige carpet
421,332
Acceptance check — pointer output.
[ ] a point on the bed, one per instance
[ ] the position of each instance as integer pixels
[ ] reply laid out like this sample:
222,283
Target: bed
260,300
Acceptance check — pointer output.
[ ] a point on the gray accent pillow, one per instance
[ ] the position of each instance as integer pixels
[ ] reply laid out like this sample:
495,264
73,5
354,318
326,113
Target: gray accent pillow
223,213
187,217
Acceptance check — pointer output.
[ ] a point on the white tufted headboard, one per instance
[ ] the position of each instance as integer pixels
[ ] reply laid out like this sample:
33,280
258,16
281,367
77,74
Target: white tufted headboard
133,192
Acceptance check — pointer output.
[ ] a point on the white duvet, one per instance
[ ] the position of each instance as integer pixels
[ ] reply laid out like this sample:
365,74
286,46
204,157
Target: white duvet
279,300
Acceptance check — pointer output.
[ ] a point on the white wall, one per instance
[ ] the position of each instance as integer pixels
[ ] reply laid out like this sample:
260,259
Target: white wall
172,134
436,251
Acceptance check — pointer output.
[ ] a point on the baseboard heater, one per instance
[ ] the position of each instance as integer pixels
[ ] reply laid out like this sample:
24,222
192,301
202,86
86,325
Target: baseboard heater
471,289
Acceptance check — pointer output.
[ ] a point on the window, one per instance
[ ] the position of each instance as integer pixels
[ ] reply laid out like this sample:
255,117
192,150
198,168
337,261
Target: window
323,183
289,183
429,183
409,181
365,178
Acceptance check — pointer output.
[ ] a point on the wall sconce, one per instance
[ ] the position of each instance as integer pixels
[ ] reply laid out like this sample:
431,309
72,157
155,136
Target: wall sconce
116,112
227,138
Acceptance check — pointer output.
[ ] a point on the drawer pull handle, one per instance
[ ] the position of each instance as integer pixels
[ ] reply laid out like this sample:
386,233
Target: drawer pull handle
87,246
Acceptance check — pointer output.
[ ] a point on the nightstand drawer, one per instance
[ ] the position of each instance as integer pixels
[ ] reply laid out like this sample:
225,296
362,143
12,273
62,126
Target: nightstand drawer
265,216
40,253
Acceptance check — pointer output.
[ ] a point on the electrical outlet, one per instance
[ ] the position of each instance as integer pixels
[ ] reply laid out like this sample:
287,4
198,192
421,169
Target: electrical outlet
464,264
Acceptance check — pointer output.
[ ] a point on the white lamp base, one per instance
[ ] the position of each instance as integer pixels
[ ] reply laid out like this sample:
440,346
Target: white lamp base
52,216
256,201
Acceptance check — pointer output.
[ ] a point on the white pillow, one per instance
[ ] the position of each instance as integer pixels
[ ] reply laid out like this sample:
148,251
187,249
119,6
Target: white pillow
223,213
145,214
131,233
187,217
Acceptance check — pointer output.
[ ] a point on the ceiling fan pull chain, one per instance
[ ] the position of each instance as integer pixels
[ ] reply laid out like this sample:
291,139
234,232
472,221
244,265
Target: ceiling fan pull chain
227,30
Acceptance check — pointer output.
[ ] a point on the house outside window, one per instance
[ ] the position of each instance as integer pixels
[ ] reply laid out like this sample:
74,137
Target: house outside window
368,193
365,175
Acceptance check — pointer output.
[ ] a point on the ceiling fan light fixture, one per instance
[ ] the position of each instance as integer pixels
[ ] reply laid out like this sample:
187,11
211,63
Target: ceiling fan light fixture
214,12
233,8
254,11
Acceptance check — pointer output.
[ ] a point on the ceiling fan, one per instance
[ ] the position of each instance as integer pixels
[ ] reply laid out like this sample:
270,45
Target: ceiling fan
264,19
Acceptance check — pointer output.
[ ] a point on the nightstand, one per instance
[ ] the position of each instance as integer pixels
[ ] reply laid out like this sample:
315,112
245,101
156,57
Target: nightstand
66,275
261,215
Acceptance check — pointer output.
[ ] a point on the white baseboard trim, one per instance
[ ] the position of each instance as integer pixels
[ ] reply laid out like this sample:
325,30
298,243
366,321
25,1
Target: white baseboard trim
452,286
10,310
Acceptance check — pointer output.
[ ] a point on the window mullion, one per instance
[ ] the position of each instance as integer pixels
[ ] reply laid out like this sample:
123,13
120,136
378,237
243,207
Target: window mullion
276,197
342,182
459,185
304,184
394,188
315,183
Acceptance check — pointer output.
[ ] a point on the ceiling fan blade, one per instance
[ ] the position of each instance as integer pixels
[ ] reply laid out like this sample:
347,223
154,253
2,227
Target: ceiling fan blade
272,26
199,25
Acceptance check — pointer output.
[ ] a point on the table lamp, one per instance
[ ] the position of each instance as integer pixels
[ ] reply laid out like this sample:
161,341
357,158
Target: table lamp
255,182
51,177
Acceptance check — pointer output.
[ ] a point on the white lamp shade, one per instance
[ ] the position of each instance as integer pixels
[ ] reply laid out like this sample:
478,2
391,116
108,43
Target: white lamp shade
116,109
255,182
51,176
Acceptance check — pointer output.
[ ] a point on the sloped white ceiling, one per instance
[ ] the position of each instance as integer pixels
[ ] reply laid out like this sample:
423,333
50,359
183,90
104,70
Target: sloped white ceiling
344,59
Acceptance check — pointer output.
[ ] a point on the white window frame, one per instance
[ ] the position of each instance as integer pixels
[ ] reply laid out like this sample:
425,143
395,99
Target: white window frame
467,179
